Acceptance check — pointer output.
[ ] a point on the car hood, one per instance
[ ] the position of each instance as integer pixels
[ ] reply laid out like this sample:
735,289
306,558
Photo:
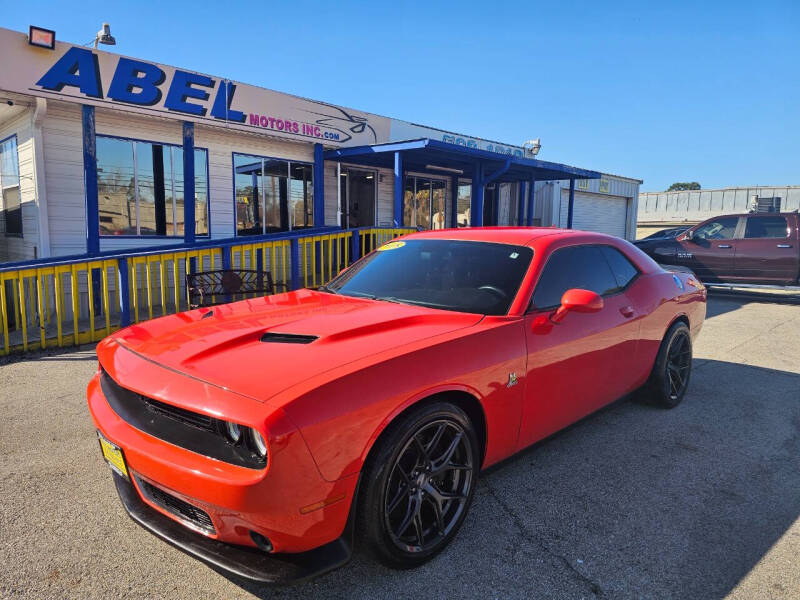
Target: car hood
261,346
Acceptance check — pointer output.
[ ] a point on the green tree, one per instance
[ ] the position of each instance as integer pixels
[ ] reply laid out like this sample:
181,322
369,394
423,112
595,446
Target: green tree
682,186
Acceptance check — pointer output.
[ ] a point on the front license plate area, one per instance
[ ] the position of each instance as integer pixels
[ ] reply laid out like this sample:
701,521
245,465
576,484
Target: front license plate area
113,455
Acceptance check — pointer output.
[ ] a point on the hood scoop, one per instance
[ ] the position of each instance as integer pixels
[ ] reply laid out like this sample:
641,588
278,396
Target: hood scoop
287,338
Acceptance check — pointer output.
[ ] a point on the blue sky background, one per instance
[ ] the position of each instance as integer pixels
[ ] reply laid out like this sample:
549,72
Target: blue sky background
662,91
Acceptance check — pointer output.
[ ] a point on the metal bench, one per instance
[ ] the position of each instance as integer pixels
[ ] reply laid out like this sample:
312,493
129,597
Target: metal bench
208,288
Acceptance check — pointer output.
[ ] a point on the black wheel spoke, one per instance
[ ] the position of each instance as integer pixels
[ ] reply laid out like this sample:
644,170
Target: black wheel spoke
411,514
437,511
422,450
440,463
419,529
401,494
437,437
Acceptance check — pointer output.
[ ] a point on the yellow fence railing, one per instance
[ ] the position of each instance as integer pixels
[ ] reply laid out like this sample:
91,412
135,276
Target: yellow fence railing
72,302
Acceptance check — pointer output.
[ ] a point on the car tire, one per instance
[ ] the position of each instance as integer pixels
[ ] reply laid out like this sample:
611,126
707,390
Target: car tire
672,370
417,485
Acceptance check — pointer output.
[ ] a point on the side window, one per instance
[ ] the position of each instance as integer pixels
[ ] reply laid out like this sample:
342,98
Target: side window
766,227
623,269
9,186
573,267
718,229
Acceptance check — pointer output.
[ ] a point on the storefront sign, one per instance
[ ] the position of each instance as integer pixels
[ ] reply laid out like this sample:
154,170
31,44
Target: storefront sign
89,76
403,130
77,74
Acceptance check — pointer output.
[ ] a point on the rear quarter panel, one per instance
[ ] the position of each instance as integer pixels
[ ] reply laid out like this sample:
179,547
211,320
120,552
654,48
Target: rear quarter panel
663,300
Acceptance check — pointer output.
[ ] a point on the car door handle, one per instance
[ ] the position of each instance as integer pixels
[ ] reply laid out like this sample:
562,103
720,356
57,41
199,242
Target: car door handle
784,245
724,246
627,311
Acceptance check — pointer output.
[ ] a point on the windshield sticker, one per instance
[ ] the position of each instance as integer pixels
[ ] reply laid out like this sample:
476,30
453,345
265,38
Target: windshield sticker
513,255
391,246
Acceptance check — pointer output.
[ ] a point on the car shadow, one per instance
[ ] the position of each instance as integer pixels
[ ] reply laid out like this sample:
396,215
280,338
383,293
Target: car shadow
721,301
633,501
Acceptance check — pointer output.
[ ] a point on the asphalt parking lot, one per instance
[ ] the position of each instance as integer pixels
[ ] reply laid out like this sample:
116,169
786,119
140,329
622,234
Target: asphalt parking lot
633,502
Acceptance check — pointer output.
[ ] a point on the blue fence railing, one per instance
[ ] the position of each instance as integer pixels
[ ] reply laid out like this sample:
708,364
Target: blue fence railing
79,299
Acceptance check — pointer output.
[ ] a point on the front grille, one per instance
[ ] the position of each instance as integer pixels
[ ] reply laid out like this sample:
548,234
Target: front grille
180,508
182,415
184,428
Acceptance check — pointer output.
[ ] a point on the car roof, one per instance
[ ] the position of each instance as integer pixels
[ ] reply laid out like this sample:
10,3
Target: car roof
520,236
755,214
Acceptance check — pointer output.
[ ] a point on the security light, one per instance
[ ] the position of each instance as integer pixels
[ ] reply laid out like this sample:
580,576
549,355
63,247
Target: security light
41,37
104,36
532,147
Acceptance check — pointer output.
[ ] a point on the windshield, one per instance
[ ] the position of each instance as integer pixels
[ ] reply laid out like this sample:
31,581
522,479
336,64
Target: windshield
473,277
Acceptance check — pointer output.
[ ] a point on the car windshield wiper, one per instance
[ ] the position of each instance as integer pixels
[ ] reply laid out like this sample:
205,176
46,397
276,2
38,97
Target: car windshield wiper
360,295
407,301
325,288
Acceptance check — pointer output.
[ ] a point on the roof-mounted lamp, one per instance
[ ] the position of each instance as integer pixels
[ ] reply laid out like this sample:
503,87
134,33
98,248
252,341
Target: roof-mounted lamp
104,36
532,147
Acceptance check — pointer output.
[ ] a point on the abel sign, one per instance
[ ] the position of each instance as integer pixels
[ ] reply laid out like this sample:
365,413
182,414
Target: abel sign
78,74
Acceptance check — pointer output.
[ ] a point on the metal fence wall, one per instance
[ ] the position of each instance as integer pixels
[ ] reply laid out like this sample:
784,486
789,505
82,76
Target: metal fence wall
695,206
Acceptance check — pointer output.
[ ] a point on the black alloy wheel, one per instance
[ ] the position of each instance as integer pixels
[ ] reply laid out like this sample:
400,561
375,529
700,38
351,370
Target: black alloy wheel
672,370
679,364
428,486
419,483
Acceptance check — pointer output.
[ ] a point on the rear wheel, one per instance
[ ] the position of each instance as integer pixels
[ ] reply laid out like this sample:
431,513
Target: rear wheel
418,485
669,379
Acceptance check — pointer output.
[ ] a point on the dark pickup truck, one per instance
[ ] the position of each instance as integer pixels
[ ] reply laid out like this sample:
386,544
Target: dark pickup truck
754,248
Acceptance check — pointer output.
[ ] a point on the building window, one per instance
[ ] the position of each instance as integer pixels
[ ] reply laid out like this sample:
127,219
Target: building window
272,194
9,186
140,188
464,205
425,203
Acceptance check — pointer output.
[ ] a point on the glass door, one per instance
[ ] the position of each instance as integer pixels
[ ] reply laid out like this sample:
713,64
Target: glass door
425,203
360,194
438,204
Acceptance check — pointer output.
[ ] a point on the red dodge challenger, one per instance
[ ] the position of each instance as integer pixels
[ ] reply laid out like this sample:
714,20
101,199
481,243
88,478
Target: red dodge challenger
265,436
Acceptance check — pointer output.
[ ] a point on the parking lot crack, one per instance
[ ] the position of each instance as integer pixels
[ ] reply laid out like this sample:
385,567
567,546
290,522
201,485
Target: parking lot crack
528,536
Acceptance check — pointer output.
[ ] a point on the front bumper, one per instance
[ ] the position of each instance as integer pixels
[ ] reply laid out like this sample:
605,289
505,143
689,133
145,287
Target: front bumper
288,502
248,563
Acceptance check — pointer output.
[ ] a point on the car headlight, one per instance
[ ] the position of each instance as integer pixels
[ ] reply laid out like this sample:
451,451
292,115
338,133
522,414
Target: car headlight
258,443
233,432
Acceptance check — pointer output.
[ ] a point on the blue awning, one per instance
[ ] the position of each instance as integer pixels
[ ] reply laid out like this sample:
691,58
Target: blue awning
434,156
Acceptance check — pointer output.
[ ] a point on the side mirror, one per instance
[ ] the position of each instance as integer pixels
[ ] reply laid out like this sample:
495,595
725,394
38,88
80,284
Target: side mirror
577,300
688,235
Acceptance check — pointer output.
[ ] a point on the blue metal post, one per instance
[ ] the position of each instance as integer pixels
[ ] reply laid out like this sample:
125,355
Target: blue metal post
355,248
476,208
522,185
124,293
531,201
319,186
571,206
90,181
188,183
226,264
454,201
294,247
399,187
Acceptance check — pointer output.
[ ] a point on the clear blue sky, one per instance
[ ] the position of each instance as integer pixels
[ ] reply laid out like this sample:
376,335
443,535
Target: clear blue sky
663,91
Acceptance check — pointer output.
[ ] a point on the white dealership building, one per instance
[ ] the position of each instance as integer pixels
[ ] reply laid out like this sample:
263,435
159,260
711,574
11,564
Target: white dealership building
97,152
